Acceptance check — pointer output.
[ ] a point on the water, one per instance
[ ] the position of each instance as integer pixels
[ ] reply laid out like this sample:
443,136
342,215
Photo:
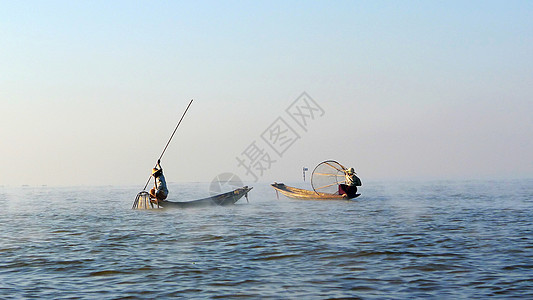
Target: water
401,240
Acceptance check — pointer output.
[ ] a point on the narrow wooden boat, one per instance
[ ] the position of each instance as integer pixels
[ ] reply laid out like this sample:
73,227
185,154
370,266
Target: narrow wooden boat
228,198
297,193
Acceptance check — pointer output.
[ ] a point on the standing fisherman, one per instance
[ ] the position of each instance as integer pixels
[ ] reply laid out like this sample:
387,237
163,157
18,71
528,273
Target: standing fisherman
352,182
159,191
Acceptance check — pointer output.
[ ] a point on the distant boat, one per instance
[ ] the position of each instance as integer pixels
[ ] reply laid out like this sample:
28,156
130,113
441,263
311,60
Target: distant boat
225,199
297,193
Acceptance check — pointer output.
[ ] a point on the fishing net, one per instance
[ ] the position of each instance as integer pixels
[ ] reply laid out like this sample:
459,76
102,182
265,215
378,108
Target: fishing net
327,176
142,201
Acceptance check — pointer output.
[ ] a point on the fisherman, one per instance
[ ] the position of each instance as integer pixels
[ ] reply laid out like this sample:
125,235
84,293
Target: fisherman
349,189
159,191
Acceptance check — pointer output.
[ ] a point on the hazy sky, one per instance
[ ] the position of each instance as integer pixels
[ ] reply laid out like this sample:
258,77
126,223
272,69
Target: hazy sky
90,91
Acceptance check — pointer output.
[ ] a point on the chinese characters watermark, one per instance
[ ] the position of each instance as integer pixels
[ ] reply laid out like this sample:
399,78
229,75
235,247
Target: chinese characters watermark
286,130
279,137
304,109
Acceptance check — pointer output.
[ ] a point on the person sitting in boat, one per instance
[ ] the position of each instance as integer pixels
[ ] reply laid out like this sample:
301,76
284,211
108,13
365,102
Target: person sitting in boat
159,191
349,189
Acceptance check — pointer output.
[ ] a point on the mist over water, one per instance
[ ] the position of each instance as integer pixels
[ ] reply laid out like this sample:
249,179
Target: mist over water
456,239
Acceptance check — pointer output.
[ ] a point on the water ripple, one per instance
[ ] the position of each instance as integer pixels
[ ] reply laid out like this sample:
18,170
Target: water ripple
430,240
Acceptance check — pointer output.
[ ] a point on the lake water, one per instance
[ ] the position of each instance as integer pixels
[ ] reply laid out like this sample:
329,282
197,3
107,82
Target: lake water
399,240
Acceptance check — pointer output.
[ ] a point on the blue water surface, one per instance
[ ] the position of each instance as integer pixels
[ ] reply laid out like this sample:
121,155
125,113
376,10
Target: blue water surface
399,240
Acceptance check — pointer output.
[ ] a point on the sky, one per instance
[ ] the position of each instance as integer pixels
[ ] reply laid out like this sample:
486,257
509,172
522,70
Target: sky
90,91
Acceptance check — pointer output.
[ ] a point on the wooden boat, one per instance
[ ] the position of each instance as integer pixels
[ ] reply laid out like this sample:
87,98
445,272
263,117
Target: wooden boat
297,193
228,198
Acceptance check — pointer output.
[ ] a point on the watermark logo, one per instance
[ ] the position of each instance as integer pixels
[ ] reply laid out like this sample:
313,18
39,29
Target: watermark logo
224,182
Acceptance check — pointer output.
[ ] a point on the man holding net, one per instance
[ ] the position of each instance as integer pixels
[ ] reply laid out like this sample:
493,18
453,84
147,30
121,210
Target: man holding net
352,182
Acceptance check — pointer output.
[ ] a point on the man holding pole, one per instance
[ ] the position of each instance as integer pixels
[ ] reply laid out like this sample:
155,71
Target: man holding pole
159,191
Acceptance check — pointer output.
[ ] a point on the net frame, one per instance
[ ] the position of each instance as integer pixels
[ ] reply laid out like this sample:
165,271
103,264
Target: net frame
328,182
143,201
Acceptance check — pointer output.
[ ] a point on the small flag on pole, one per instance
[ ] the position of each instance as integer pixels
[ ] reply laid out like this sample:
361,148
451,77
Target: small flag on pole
305,169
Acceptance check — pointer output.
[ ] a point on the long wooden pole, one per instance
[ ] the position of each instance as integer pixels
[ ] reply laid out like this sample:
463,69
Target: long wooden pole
170,139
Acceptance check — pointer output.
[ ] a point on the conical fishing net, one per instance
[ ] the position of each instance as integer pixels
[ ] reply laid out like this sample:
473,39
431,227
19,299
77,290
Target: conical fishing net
327,176
142,201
